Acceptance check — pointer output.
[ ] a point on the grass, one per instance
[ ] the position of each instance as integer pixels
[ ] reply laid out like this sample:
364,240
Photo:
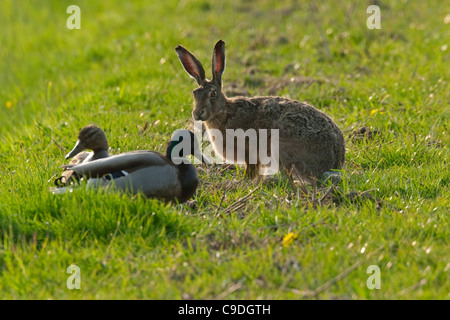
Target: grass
120,71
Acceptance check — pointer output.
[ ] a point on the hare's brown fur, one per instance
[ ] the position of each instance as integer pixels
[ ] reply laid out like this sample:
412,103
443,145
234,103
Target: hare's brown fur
310,143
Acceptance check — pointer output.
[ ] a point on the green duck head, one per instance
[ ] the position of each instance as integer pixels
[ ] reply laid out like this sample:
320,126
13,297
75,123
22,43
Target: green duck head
184,143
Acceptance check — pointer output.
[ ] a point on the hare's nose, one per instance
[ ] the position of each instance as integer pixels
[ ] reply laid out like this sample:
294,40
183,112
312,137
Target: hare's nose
199,115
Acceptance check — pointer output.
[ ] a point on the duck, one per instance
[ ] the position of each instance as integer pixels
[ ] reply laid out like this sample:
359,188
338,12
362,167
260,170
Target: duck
170,177
90,137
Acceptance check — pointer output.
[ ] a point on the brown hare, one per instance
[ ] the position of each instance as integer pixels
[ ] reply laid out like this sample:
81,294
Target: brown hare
310,143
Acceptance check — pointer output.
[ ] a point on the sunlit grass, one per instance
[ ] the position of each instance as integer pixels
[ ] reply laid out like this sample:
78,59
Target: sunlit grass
120,71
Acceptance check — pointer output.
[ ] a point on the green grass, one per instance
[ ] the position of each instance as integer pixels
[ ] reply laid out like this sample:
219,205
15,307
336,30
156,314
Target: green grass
120,71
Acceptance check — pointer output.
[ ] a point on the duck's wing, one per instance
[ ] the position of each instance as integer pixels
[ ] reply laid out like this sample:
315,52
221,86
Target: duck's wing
68,175
129,162
153,181
80,158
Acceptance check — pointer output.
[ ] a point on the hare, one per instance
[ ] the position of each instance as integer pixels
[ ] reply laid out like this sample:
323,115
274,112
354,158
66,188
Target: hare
310,143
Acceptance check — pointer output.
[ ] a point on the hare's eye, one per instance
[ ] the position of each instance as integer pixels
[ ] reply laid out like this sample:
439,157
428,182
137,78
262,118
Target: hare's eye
213,93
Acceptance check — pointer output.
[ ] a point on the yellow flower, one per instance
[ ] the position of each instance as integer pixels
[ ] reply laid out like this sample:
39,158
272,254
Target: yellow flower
374,111
289,238
9,104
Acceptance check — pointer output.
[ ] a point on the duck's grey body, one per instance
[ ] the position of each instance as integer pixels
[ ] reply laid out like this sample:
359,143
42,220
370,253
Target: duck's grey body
144,171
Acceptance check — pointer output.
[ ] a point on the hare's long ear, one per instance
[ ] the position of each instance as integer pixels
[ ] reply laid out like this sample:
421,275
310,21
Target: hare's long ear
218,62
191,64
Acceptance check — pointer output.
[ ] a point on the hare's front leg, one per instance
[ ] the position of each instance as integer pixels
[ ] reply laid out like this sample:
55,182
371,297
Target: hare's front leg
251,170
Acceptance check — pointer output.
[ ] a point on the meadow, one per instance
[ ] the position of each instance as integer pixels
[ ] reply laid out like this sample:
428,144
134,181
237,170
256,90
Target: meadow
387,89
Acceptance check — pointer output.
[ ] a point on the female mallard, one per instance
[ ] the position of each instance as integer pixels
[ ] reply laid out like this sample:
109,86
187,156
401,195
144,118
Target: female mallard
90,137
171,177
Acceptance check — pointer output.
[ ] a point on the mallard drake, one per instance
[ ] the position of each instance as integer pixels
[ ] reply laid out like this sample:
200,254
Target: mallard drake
170,177
90,137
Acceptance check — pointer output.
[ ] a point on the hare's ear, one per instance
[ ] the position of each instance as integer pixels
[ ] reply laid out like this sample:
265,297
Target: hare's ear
191,64
218,62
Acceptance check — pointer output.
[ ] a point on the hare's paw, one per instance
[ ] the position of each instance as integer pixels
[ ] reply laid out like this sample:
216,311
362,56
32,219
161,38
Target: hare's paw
335,177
